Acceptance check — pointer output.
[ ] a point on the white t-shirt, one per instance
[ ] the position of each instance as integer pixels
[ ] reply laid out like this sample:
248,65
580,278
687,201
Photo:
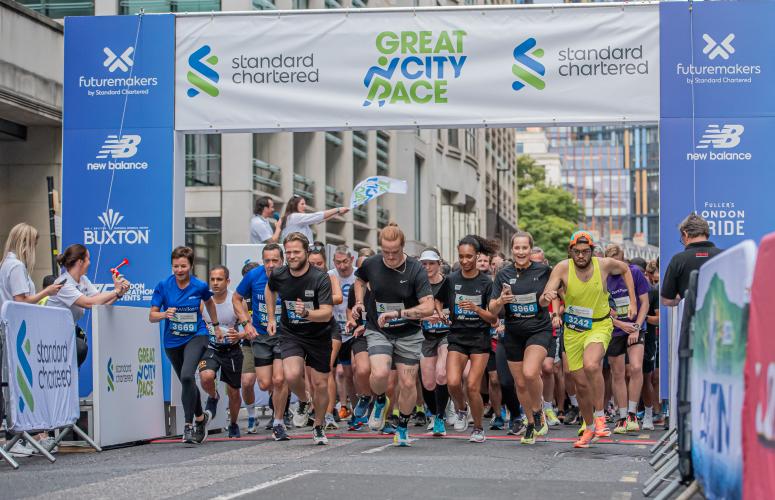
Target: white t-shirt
340,310
260,229
300,223
70,292
14,279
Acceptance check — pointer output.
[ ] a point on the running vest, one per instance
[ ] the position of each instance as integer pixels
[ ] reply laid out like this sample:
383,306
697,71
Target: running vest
226,319
585,302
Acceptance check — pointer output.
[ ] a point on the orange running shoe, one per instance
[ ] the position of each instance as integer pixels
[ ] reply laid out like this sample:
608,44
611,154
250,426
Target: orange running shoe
586,437
344,412
601,428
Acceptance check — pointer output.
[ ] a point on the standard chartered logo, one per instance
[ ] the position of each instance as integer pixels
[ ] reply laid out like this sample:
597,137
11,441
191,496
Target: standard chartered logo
24,370
200,75
527,68
111,377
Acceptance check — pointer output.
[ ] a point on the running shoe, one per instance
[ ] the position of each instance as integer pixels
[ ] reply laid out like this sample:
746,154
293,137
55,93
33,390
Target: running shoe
252,427
319,435
378,415
586,437
497,423
451,416
388,429
401,437
279,433
288,418
551,417
200,428
601,428
331,424
477,436
542,429
621,426
489,413
582,428
572,416
269,424
49,444
461,421
632,423
336,416
344,412
516,427
420,419
648,423
234,431
362,407
188,435
21,449
530,435
393,419
211,406
659,419
439,429
302,414
431,423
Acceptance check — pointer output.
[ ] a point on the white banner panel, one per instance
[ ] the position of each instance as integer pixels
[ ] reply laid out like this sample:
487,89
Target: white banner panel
42,368
435,67
128,394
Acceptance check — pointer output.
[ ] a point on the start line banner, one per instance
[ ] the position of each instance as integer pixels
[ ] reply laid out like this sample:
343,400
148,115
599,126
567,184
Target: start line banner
322,70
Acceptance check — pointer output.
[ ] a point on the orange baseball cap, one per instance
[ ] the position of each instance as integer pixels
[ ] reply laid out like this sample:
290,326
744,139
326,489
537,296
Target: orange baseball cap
581,237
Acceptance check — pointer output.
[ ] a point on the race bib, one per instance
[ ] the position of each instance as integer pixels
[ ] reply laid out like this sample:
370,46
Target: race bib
524,306
464,314
383,307
290,309
214,338
578,318
263,318
184,323
622,307
433,326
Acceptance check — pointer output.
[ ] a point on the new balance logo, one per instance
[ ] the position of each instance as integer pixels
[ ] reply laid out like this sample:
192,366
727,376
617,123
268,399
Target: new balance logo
125,147
528,69
713,49
725,137
122,62
196,62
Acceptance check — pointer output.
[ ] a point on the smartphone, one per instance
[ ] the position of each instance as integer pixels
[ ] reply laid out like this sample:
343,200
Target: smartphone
61,280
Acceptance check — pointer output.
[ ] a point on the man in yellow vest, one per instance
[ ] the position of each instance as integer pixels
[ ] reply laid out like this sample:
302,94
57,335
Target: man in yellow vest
588,324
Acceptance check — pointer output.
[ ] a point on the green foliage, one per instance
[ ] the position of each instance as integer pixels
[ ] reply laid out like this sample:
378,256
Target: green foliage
549,213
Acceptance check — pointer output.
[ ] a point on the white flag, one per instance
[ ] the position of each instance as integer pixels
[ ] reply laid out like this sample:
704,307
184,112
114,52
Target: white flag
370,188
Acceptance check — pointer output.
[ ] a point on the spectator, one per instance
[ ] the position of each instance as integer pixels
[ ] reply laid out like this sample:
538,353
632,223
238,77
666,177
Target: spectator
48,280
260,228
640,262
16,266
296,219
698,250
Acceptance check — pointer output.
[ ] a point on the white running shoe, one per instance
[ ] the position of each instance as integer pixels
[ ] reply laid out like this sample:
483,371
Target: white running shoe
648,423
461,421
331,424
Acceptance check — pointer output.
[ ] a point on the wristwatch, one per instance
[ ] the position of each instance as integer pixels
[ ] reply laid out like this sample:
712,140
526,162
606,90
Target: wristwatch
637,326
215,323
243,324
305,313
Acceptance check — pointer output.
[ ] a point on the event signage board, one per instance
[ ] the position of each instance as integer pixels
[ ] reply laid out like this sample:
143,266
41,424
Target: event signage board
718,357
118,180
127,376
393,68
42,368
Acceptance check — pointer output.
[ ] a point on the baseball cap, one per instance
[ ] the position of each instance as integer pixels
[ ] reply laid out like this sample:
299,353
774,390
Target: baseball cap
581,237
430,255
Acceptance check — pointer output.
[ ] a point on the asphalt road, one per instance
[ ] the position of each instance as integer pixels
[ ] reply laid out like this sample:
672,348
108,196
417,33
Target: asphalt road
364,465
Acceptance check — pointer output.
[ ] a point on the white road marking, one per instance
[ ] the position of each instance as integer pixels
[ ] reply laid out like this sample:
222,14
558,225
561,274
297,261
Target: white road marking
621,495
629,477
265,485
377,449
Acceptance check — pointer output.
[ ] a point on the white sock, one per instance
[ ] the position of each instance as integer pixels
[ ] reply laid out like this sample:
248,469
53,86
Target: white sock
548,406
622,413
632,407
251,411
573,400
278,421
649,412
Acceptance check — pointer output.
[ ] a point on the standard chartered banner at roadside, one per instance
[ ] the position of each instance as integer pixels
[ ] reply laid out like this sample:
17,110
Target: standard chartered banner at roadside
405,68
43,375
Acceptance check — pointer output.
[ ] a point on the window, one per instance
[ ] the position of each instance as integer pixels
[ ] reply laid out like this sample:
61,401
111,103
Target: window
471,141
58,9
203,235
264,5
418,198
203,160
520,148
301,4
150,6
452,137
383,152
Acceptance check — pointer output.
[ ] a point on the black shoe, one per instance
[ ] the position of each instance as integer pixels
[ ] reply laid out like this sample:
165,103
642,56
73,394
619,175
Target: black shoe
572,416
420,419
211,406
393,419
279,433
515,426
490,412
234,431
269,426
188,434
200,429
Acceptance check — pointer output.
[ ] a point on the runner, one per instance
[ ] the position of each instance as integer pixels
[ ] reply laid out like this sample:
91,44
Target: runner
433,364
401,297
264,348
177,300
528,328
465,293
307,309
628,338
248,379
224,352
345,273
588,324
651,350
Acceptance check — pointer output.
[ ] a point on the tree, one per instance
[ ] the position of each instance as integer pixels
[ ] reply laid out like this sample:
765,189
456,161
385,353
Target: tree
549,213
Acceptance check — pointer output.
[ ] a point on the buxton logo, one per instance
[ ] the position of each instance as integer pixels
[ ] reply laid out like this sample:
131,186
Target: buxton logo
527,68
114,62
24,370
111,233
722,49
725,137
206,78
125,147
111,377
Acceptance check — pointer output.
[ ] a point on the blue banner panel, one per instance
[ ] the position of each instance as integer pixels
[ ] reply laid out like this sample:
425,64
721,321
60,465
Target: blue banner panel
118,142
721,54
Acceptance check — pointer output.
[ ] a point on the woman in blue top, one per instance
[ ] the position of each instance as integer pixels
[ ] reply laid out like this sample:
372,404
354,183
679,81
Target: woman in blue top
176,299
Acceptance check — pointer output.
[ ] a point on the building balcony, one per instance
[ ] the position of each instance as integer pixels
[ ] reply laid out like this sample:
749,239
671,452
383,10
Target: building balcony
266,177
303,186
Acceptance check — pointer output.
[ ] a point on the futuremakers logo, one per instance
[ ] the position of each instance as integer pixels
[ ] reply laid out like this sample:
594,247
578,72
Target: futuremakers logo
527,68
200,75
24,370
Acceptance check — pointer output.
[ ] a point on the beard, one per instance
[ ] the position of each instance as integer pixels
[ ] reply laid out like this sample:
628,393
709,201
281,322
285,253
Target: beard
582,266
298,265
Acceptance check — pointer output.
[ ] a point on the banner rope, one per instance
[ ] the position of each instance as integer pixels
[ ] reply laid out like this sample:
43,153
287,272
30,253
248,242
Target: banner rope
694,132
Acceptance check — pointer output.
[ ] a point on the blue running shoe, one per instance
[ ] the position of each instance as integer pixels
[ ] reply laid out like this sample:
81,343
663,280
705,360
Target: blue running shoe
439,429
234,431
362,407
401,437
378,415
252,425
211,406
388,429
497,423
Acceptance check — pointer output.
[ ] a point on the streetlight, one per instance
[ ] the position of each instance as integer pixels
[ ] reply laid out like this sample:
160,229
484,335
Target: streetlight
499,167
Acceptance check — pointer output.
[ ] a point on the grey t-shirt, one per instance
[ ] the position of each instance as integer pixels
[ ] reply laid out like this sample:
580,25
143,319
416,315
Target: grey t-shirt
70,292
14,279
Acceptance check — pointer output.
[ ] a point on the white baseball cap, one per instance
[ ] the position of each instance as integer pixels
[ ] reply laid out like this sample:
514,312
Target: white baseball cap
430,255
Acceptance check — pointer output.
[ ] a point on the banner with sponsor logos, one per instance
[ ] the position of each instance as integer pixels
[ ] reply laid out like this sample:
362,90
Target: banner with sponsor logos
42,368
127,376
420,67
718,357
117,186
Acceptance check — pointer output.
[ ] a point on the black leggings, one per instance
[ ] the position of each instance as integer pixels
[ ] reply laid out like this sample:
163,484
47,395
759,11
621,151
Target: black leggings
508,389
184,360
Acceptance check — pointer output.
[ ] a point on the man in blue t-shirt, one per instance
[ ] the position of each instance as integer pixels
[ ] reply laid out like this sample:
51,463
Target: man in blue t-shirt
266,349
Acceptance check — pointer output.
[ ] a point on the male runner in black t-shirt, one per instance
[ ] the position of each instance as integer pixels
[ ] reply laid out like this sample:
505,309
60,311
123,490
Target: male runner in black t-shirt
307,308
401,297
